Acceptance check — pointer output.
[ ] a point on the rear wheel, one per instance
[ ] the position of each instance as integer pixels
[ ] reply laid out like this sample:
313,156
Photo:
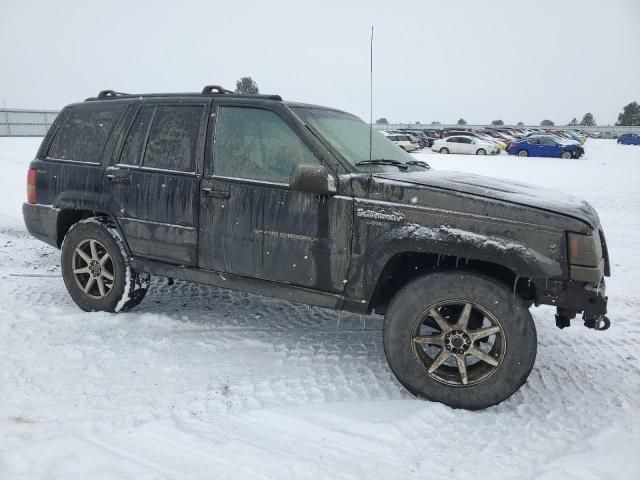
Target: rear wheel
96,269
523,153
481,151
444,150
460,338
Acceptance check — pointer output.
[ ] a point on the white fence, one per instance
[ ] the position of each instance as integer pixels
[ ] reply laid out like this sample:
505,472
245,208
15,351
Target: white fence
25,123
36,123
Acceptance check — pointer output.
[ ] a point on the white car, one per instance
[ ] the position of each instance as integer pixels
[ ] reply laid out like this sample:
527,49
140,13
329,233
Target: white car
466,145
403,141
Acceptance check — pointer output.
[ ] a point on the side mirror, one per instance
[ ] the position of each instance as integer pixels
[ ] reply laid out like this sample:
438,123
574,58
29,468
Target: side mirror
312,179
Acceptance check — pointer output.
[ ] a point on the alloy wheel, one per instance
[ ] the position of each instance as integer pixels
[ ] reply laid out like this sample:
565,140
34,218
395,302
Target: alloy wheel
93,268
458,343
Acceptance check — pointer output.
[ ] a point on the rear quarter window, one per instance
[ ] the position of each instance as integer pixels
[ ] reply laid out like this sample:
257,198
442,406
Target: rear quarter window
84,133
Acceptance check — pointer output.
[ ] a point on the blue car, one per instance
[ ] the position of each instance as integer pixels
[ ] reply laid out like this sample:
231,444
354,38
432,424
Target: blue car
629,139
545,146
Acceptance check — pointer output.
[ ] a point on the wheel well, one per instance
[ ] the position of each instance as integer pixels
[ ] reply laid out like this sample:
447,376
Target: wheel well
405,267
69,217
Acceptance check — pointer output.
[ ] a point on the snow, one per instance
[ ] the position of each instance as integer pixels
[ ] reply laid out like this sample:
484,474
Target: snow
200,382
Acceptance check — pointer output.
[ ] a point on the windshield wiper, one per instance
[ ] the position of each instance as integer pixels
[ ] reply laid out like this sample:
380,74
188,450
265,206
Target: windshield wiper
382,161
419,163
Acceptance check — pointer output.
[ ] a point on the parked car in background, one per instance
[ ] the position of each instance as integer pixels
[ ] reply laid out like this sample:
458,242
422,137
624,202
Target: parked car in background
501,144
602,135
498,136
629,139
577,136
422,139
466,145
559,136
545,146
404,141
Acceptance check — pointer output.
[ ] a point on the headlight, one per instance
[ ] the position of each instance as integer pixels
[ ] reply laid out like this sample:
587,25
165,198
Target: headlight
584,250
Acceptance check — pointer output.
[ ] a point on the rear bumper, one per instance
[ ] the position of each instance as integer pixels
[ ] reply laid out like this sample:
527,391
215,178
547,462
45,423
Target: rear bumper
42,222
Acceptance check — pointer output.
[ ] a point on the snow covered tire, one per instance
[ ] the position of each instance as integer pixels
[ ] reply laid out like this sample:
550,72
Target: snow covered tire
96,269
492,307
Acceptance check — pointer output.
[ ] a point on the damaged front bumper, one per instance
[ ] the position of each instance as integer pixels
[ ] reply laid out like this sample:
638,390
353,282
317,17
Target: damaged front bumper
588,298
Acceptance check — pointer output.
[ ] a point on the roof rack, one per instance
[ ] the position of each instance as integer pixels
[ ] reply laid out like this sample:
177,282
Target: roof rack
215,89
218,90
109,93
207,90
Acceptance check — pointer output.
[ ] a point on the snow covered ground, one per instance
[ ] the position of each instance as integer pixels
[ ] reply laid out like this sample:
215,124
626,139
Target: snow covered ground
204,383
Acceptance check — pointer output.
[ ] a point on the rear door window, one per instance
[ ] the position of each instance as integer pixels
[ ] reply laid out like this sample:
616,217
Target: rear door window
84,134
174,138
134,145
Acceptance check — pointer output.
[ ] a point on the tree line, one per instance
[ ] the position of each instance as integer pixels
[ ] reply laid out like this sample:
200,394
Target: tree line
630,116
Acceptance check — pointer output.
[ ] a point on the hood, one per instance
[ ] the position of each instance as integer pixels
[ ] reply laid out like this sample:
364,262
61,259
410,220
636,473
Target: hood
504,190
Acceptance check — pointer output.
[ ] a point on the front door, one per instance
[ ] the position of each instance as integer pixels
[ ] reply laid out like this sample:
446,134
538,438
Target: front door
535,148
152,187
252,223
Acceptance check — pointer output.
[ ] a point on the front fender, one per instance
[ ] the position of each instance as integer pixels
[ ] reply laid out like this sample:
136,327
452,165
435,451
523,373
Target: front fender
529,252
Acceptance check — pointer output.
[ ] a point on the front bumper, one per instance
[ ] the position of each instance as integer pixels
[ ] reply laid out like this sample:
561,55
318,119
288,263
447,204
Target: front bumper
572,297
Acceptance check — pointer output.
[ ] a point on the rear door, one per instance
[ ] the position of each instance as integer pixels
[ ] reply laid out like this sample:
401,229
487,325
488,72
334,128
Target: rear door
465,145
534,147
153,184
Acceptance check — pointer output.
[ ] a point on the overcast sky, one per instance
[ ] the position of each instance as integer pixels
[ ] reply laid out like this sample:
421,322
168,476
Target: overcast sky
433,60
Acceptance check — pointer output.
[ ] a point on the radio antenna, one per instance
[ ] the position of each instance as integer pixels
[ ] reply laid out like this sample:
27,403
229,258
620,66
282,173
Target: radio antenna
371,95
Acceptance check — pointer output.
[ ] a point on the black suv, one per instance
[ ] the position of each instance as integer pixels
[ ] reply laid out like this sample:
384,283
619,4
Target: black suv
290,200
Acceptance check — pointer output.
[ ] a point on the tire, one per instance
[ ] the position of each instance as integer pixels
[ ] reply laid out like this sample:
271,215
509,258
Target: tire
481,151
444,150
523,153
566,155
511,350
93,251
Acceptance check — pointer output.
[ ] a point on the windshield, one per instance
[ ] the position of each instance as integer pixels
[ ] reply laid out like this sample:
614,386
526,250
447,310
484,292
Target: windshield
349,135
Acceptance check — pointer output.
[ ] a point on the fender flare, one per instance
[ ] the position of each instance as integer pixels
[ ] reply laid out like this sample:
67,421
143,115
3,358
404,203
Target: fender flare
449,241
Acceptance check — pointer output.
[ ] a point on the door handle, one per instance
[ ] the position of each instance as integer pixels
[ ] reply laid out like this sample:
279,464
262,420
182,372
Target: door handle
220,194
118,179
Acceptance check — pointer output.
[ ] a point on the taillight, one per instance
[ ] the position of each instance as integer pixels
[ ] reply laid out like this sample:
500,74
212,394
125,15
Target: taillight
31,185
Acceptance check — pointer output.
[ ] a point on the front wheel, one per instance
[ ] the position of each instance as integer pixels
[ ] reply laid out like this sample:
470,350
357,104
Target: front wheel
96,269
444,150
460,338
566,155
481,151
